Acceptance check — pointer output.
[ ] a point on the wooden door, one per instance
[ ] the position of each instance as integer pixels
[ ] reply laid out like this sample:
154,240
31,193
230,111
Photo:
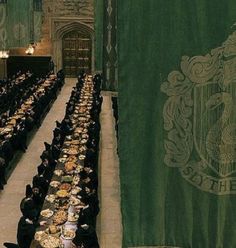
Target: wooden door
77,53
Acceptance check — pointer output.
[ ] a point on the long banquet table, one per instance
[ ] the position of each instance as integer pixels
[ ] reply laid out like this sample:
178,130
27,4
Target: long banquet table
62,204
14,89
7,132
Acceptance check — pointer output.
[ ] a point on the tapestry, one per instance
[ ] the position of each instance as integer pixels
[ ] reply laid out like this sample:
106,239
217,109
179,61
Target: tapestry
110,66
20,22
99,11
3,28
177,122
37,26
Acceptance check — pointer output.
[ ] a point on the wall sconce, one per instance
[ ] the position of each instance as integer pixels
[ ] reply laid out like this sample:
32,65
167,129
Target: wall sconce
4,54
30,49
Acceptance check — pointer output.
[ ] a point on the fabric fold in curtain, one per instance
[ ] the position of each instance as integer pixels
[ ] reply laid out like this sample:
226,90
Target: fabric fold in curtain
159,207
3,26
106,42
99,11
20,22
110,63
37,25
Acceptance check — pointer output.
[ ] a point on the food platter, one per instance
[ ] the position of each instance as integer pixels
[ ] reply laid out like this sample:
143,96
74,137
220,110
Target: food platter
85,136
82,148
58,172
12,121
60,217
20,111
47,213
79,168
79,130
75,142
82,157
53,230
75,190
18,116
74,201
85,130
84,141
65,150
7,129
55,184
50,241
39,235
72,151
68,233
72,158
70,166
83,119
76,180
28,102
50,198
73,217
65,186
67,179
62,160
62,193
64,206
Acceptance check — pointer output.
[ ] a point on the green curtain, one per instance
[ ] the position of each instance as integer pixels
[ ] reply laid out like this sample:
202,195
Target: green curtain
3,28
37,26
38,19
160,207
20,22
99,7
110,60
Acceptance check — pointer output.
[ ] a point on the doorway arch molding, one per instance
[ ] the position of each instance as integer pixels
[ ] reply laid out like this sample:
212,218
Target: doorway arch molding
61,28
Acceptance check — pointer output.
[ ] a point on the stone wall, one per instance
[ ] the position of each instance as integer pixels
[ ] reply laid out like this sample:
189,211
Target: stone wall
69,7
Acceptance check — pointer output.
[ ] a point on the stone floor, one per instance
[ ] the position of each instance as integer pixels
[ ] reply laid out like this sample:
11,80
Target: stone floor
109,220
109,227
26,168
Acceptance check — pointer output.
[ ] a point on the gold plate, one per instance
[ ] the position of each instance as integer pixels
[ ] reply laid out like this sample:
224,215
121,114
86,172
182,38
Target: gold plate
68,234
50,241
54,184
62,193
50,198
47,213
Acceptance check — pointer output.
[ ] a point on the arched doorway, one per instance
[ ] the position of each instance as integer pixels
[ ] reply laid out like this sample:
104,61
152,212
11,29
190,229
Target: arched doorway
76,52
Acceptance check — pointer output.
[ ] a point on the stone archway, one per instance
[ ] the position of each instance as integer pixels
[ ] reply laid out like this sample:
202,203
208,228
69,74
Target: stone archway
62,27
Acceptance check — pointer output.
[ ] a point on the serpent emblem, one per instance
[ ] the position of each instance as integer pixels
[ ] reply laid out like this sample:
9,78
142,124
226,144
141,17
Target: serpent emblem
221,138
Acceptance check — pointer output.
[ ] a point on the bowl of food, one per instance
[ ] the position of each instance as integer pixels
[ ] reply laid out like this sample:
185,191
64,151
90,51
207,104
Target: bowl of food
65,186
39,235
58,172
53,230
50,241
60,217
67,179
50,198
73,217
68,233
47,213
55,184
62,193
